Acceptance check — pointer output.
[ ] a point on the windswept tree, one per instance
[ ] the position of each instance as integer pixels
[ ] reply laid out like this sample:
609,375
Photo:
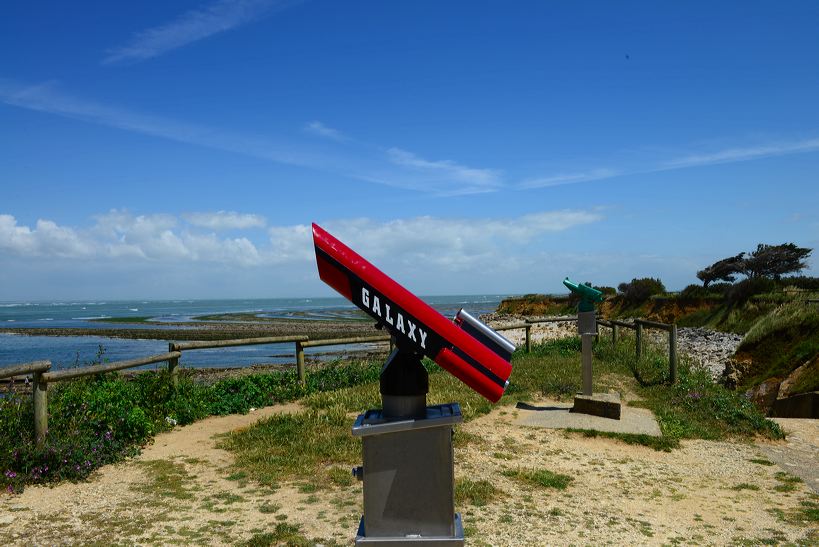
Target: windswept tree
774,261
722,270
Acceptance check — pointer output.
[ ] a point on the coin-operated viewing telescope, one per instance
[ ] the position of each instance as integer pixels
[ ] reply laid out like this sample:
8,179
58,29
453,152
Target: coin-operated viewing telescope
407,446
600,404
588,295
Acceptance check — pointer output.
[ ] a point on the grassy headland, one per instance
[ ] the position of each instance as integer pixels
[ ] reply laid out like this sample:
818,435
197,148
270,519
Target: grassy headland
780,324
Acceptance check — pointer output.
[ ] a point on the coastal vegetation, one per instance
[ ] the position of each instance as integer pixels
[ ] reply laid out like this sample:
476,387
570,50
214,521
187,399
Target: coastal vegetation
755,294
102,419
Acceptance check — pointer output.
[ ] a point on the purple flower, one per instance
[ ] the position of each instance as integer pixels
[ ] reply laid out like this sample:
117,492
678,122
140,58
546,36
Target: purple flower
10,474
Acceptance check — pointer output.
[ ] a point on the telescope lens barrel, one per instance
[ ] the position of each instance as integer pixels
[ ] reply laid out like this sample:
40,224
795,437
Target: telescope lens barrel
486,335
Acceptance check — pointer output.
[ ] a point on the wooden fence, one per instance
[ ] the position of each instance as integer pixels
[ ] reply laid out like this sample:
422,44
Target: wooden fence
638,326
41,375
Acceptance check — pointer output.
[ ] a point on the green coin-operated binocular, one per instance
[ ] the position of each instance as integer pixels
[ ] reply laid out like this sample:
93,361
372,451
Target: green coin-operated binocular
588,295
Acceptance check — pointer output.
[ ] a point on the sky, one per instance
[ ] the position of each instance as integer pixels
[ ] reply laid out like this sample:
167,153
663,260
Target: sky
183,149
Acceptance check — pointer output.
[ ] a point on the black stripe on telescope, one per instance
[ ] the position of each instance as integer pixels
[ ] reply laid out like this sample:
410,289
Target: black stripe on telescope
356,281
476,365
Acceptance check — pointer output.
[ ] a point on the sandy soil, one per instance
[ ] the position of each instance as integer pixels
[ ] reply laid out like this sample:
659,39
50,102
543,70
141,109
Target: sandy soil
181,490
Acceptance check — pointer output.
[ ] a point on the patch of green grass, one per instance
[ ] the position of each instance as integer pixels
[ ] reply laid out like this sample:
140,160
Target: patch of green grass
664,443
761,461
478,493
287,446
238,476
165,479
808,511
284,534
745,486
268,507
227,498
539,477
787,482
340,476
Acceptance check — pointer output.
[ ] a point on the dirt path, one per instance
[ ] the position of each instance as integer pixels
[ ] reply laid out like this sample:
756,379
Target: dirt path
181,490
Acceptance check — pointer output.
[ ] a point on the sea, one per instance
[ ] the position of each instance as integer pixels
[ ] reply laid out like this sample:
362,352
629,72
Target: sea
70,351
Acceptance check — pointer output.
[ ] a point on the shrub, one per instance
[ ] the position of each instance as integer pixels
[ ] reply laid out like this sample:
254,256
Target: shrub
639,290
801,282
743,291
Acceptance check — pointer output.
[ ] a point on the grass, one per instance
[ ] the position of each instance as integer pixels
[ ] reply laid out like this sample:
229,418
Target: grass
542,478
780,342
745,486
787,482
283,534
761,461
663,443
309,446
165,480
477,493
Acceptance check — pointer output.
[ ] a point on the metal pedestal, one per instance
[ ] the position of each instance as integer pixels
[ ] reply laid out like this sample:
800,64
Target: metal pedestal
408,478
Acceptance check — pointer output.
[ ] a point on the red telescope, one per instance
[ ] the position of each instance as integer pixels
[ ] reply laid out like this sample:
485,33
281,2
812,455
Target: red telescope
468,349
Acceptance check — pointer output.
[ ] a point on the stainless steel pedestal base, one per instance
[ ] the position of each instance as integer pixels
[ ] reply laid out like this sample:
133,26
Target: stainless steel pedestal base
409,478
455,540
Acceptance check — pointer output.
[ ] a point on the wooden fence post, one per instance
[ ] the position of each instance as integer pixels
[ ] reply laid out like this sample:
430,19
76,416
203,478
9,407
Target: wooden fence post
639,338
528,338
672,352
614,328
173,365
39,395
300,362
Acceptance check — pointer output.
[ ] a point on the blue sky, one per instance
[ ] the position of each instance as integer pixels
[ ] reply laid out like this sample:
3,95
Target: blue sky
181,149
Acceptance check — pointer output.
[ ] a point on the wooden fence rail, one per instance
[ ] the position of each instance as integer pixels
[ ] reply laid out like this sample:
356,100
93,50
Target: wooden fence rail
210,344
638,326
39,391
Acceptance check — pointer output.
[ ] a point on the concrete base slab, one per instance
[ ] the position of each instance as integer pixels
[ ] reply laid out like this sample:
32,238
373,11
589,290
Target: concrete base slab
554,415
605,405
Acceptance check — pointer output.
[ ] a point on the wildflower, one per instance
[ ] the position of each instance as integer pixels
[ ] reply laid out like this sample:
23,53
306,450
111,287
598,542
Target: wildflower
10,474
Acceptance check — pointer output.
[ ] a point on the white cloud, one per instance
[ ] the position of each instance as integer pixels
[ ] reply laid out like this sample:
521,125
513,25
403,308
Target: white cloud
476,179
732,155
728,155
398,168
192,26
225,220
46,239
569,178
320,130
450,244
